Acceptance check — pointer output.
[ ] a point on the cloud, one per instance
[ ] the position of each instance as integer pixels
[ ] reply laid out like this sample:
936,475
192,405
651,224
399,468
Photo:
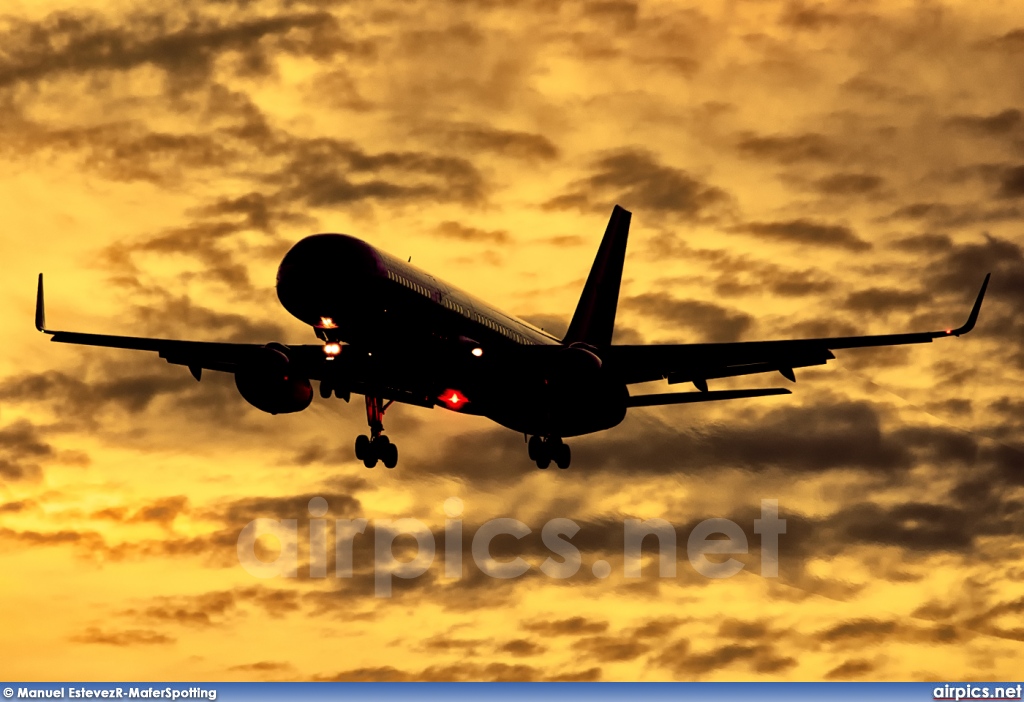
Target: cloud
849,184
460,232
711,322
636,180
215,608
127,637
71,44
851,669
320,173
520,648
882,301
995,124
807,232
21,449
787,149
1011,183
608,649
561,627
474,138
463,672
760,658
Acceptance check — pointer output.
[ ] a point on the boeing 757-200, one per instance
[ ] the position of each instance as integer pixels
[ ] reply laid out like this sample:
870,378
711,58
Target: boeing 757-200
393,333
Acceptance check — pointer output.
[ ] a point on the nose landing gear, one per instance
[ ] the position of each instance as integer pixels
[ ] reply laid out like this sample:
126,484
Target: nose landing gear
376,446
543,450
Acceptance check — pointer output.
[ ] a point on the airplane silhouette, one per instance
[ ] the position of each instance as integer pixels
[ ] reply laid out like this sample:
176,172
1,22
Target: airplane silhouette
393,333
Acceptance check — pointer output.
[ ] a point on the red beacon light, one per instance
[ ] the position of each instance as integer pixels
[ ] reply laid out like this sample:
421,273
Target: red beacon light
453,399
327,323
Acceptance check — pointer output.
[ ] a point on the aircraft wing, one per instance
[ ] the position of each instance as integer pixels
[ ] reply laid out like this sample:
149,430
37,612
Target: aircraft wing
696,363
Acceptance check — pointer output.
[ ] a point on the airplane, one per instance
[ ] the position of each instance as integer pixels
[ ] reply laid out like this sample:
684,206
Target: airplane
394,333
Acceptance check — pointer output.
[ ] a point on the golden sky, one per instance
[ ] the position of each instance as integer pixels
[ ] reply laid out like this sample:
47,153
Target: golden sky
794,169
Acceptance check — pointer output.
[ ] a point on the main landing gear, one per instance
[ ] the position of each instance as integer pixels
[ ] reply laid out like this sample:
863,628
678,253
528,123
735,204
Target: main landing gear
376,446
543,450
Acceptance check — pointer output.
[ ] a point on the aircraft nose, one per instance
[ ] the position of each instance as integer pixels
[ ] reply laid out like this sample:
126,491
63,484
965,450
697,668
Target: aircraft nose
323,271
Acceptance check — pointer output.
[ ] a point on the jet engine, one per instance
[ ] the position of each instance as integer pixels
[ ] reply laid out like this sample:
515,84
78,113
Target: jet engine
268,384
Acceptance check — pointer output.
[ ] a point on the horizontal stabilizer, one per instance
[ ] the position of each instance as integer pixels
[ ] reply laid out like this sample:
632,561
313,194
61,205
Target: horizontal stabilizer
681,398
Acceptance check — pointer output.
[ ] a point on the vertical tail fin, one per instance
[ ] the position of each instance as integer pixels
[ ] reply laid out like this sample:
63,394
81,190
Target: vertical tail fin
40,307
594,319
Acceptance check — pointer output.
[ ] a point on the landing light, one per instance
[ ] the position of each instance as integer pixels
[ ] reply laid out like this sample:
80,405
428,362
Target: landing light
478,352
327,323
332,350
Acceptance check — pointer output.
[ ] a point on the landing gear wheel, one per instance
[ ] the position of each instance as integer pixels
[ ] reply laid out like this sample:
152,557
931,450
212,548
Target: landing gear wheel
543,462
562,456
362,447
535,447
325,389
370,461
389,454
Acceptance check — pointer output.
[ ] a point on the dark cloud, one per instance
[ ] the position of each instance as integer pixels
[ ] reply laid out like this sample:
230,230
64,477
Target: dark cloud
788,149
240,512
259,212
454,230
812,17
127,637
182,317
759,658
807,232
882,301
851,669
608,649
263,667
849,184
573,626
520,648
924,243
710,321
813,437
465,671
911,526
474,138
162,511
83,400
637,181
21,450
995,124
1011,183
214,609
325,173
66,43
619,14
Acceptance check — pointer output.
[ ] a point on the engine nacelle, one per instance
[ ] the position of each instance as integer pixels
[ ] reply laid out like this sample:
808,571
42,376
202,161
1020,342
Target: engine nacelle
269,386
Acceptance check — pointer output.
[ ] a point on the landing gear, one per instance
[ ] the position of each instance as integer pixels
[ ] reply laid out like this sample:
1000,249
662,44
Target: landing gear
545,450
369,451
327,388
376,446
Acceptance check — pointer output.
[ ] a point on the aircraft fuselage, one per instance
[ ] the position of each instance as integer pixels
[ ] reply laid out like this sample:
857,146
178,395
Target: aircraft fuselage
417,333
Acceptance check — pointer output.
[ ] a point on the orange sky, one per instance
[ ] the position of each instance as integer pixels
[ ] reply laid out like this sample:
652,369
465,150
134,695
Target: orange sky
794,169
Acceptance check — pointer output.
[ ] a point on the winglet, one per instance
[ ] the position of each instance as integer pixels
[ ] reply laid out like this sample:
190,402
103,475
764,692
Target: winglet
40,307
973,319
